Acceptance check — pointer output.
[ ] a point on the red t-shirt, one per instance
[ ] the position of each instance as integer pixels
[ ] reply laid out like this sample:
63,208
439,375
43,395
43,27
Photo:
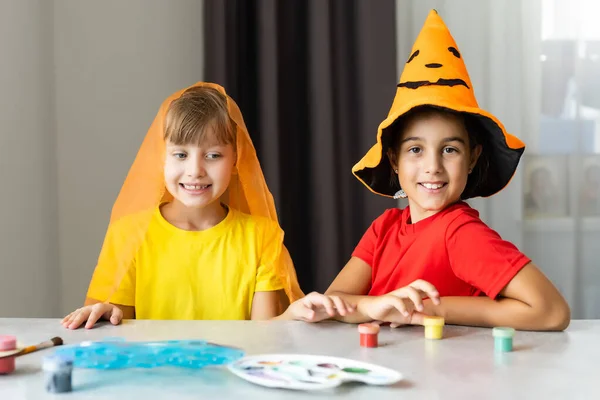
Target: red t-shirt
453,249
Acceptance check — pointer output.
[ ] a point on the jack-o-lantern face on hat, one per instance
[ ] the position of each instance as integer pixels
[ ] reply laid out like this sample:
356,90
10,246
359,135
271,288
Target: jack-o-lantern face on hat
433,65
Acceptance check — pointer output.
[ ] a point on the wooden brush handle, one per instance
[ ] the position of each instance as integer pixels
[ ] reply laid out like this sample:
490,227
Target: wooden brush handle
56,341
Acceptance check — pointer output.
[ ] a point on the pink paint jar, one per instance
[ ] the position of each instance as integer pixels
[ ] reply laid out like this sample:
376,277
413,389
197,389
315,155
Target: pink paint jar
7,365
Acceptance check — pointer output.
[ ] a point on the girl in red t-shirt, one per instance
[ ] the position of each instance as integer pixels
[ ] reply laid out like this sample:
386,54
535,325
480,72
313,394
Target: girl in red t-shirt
436,257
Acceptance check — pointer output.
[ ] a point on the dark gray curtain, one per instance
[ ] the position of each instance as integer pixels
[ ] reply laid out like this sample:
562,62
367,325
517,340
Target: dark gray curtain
313,78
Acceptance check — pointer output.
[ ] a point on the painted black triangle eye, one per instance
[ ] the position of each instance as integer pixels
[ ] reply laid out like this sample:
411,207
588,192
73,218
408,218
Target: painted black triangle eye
416,53
454,51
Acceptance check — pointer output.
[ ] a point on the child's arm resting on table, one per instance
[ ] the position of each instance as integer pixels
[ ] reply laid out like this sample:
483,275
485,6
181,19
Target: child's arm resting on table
94,310
518,293
528,302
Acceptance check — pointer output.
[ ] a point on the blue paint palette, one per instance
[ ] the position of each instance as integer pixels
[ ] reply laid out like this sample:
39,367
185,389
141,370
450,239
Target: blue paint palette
193,354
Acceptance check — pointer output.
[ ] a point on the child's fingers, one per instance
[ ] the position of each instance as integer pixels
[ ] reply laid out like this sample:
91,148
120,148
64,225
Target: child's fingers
428,289
413,295
68,317
327,303
116,316
319,300
79,318
71,317
304,312
341,307
417,319
314,306
308,315
349,306
397,303
98,310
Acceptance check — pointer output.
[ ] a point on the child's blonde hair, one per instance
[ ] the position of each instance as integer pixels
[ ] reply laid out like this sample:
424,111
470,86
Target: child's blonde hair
199,115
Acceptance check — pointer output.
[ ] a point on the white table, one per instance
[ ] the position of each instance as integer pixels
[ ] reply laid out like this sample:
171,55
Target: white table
462,366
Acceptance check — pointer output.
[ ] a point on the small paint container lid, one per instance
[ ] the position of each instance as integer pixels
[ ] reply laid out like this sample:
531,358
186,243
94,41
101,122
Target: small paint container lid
55,363
433,321
8,342
368,329
503,332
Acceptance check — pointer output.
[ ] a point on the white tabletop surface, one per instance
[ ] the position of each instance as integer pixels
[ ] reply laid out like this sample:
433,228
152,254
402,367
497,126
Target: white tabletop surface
462,366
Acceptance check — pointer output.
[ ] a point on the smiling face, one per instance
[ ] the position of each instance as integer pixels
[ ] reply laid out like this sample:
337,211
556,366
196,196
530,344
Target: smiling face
200,148
433,157
198,175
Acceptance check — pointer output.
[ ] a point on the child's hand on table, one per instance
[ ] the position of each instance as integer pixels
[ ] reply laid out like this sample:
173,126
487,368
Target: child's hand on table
316,307
402,306
92,314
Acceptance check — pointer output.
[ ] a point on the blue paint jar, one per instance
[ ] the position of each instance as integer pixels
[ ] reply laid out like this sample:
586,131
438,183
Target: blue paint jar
503,339
57,373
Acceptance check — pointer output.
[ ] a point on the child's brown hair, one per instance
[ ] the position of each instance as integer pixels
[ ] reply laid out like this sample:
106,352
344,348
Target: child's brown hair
199,115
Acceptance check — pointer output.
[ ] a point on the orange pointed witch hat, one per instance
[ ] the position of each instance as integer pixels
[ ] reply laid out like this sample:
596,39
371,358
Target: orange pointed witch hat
435,75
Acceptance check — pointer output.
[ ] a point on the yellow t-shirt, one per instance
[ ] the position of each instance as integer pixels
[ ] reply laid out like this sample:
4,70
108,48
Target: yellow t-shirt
210,274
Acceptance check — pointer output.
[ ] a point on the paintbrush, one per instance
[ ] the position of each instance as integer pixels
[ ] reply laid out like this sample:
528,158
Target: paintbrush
55,341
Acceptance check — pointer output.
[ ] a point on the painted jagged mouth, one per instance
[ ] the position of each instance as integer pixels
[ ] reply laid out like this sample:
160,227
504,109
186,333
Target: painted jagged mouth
440,82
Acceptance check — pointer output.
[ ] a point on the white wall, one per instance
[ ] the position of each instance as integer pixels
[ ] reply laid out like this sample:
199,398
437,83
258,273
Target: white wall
28,253
115,63
80,83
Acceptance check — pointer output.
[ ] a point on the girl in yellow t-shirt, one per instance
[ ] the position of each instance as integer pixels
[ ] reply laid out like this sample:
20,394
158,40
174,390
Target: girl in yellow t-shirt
194,233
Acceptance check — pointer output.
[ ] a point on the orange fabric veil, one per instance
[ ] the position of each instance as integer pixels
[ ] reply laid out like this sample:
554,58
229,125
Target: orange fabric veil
144,190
